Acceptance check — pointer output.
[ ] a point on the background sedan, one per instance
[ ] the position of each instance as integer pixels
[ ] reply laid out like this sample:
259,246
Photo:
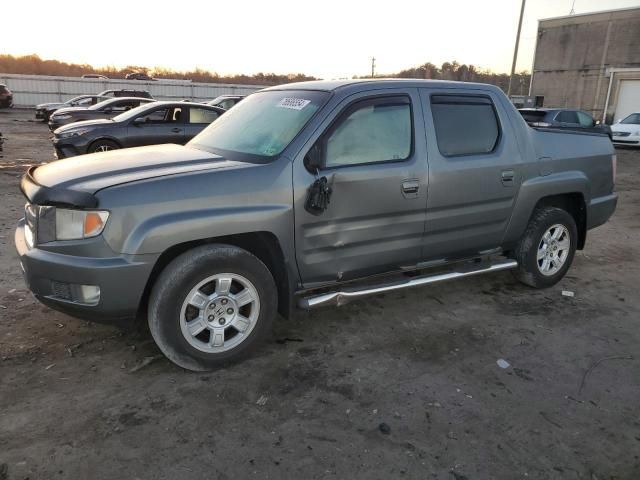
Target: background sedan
44,110
563,118
150,124
627,131
107,109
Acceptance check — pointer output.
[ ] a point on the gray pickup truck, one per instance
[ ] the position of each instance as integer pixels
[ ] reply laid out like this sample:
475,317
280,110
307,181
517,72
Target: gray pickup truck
310,194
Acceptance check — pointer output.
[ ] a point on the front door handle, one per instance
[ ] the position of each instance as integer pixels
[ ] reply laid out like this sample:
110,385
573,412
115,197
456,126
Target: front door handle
508,177
410,188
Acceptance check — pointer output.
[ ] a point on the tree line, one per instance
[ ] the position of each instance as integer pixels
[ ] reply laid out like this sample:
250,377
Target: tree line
34,65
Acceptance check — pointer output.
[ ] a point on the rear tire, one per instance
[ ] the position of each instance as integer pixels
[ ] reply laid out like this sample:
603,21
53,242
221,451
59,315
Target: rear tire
546,250
103,146
212,305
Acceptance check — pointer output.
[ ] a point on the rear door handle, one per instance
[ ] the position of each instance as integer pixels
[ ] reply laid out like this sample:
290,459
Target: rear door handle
507,177
410,188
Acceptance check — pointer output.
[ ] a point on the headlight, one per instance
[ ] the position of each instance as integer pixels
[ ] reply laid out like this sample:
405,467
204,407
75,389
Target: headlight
74,133
52,223
78,224
62,117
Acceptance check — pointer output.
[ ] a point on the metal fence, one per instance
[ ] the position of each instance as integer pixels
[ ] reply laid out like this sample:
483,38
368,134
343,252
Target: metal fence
30,90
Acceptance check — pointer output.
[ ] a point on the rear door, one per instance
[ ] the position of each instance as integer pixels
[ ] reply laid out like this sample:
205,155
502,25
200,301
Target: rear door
164,124
474,172
199,119
371,150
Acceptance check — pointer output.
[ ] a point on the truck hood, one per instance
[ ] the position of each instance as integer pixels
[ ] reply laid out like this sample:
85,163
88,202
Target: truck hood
93,172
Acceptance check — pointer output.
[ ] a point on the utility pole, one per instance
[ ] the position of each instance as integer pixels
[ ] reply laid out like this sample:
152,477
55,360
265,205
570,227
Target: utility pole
515,50
373,67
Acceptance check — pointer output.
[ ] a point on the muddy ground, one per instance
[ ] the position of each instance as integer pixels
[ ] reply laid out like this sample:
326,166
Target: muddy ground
87,401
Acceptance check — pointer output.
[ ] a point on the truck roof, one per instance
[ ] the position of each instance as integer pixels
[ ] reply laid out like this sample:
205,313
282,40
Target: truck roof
332,85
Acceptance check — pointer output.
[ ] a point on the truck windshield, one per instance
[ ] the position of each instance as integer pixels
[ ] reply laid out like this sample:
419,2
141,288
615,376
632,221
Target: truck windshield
262,125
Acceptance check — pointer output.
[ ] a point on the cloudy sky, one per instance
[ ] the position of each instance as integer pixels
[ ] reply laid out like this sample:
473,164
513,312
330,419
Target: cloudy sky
329,39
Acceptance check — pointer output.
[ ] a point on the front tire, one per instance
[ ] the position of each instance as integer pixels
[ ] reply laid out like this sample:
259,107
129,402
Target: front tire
546,249
103,146
212,305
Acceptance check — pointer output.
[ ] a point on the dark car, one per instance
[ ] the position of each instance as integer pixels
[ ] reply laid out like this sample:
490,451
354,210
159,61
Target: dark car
107,109
95,76
563,118
226,101
126,92
44,110
6,97
139,76
150,124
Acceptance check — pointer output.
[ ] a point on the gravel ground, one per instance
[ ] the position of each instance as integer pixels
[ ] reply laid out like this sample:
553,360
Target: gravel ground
402,385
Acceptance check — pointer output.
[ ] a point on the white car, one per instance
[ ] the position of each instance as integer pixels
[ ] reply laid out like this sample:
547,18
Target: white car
626,131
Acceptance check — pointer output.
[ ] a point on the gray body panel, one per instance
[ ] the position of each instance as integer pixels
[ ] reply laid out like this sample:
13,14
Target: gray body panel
162,196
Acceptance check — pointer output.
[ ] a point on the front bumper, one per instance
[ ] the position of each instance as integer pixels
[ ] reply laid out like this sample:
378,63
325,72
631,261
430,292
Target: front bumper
69,147
121,279
600,210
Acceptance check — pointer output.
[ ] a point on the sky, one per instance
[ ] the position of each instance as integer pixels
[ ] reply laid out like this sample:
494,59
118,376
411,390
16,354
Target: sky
328,39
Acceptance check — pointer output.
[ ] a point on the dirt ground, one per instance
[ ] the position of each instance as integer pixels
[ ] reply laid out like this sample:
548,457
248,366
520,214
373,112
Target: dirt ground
86,401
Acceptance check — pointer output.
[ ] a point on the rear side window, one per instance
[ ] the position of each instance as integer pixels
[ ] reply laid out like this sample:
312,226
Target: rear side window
202,115
567,116
465,124
372,131
585,120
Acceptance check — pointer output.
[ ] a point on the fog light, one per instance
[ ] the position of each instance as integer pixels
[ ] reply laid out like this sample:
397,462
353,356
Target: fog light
89,294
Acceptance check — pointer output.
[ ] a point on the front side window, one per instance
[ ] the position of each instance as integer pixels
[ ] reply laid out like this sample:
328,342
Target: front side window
163,115
375,131
262,125
465,124
567,116
202,115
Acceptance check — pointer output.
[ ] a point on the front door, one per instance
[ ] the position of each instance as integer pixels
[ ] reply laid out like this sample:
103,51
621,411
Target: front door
161,125
371,151
474,172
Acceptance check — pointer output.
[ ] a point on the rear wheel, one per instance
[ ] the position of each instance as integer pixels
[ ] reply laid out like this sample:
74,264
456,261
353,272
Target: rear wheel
103,146
212,305
546,249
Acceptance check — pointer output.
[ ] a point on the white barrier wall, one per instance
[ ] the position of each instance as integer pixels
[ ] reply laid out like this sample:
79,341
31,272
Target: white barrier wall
30,90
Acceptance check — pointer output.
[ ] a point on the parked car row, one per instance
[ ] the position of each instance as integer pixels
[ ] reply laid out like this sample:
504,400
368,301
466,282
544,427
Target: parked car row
104,109
150,123
45,110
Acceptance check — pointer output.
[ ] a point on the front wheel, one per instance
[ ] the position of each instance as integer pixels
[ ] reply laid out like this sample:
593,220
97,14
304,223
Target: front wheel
546,249
103,146
212,305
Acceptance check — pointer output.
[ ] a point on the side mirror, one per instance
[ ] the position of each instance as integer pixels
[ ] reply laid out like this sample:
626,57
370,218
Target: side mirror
313,159
139,121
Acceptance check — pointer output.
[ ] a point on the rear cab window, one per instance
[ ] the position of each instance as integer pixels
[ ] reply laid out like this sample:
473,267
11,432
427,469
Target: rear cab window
465,124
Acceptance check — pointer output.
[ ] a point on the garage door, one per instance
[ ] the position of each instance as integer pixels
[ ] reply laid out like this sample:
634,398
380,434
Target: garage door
628,98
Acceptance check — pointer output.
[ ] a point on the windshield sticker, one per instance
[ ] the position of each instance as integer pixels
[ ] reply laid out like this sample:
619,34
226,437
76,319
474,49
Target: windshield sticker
293,103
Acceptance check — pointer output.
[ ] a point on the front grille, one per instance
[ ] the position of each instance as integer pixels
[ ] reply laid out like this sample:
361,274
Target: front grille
61,290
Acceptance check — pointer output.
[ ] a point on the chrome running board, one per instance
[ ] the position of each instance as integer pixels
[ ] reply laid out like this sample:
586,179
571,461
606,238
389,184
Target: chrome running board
343,296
